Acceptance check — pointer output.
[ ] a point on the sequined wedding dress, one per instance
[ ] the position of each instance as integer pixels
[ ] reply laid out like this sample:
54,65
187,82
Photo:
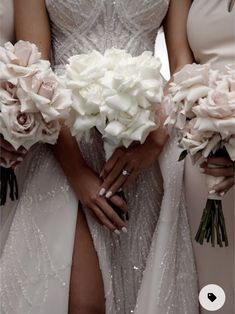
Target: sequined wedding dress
36,260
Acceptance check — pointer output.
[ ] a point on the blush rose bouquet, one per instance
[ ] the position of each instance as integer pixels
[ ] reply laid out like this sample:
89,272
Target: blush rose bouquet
201,111
116,93
32,101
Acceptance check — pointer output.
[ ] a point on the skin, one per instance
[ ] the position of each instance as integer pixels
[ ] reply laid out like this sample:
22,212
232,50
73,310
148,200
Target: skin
84,298
9,156
33,25
177,41
140,157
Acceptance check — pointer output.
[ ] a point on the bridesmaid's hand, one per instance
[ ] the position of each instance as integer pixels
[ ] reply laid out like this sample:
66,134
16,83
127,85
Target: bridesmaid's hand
9,156
225,168
125,165
99,208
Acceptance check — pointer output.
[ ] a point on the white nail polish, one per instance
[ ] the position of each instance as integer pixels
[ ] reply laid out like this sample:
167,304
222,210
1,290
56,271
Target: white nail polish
124,229
222,193
212,192
19,159
117,232
102,192
108,194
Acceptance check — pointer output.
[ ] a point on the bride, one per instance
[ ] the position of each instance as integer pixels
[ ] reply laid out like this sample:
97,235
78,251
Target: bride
58,257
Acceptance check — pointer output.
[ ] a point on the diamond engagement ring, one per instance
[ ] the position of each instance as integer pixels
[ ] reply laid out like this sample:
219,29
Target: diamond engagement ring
125,172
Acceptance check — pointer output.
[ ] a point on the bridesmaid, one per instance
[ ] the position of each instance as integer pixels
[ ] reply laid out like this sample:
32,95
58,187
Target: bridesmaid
211,35
210,28
8,154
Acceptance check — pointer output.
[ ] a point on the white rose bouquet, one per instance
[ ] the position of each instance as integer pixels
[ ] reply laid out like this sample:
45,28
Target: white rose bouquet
32,101
201,109
116,93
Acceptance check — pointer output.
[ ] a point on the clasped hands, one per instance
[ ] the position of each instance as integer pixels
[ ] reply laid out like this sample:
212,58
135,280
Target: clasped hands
10,157
224,168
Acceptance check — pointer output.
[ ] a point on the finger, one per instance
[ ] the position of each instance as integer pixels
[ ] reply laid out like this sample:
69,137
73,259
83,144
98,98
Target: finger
110,163
110,213
119,202
22,150
102,218
220,161
11,156
8,147
6,163
224,186
15,164
112,176
219,172
120,183
130,179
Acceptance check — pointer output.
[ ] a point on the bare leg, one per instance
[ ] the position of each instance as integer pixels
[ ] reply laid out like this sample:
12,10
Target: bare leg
86,285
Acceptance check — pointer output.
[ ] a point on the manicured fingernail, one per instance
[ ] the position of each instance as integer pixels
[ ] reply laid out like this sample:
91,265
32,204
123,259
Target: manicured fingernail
117,232
120,190
108,194
212,192
222,193
202,170
124,229
19,159
101,174
102,192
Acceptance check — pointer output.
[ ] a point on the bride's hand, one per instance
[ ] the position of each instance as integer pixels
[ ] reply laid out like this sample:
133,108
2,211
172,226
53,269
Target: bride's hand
99,208
225,168
9,156
125,165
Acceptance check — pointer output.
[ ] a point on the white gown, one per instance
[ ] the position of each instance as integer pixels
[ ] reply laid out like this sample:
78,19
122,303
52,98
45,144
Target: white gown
36,259
211,33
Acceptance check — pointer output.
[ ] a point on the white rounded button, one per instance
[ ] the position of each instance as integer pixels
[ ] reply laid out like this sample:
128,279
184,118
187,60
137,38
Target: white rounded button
212,297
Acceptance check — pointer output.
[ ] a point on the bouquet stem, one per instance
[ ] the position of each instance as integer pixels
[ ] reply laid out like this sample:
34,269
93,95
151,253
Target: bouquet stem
212,226
8,180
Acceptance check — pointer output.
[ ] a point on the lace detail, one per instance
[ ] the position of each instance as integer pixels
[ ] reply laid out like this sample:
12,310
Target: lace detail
84,25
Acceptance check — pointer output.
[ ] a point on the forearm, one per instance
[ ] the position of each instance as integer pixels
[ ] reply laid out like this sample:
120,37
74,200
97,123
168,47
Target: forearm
159,137
175,28
32,24
69,156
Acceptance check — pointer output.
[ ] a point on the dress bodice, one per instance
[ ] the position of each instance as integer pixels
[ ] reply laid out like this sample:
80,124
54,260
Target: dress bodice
211,32
79,26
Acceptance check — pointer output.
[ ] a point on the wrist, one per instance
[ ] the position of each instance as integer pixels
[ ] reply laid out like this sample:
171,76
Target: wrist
157,139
